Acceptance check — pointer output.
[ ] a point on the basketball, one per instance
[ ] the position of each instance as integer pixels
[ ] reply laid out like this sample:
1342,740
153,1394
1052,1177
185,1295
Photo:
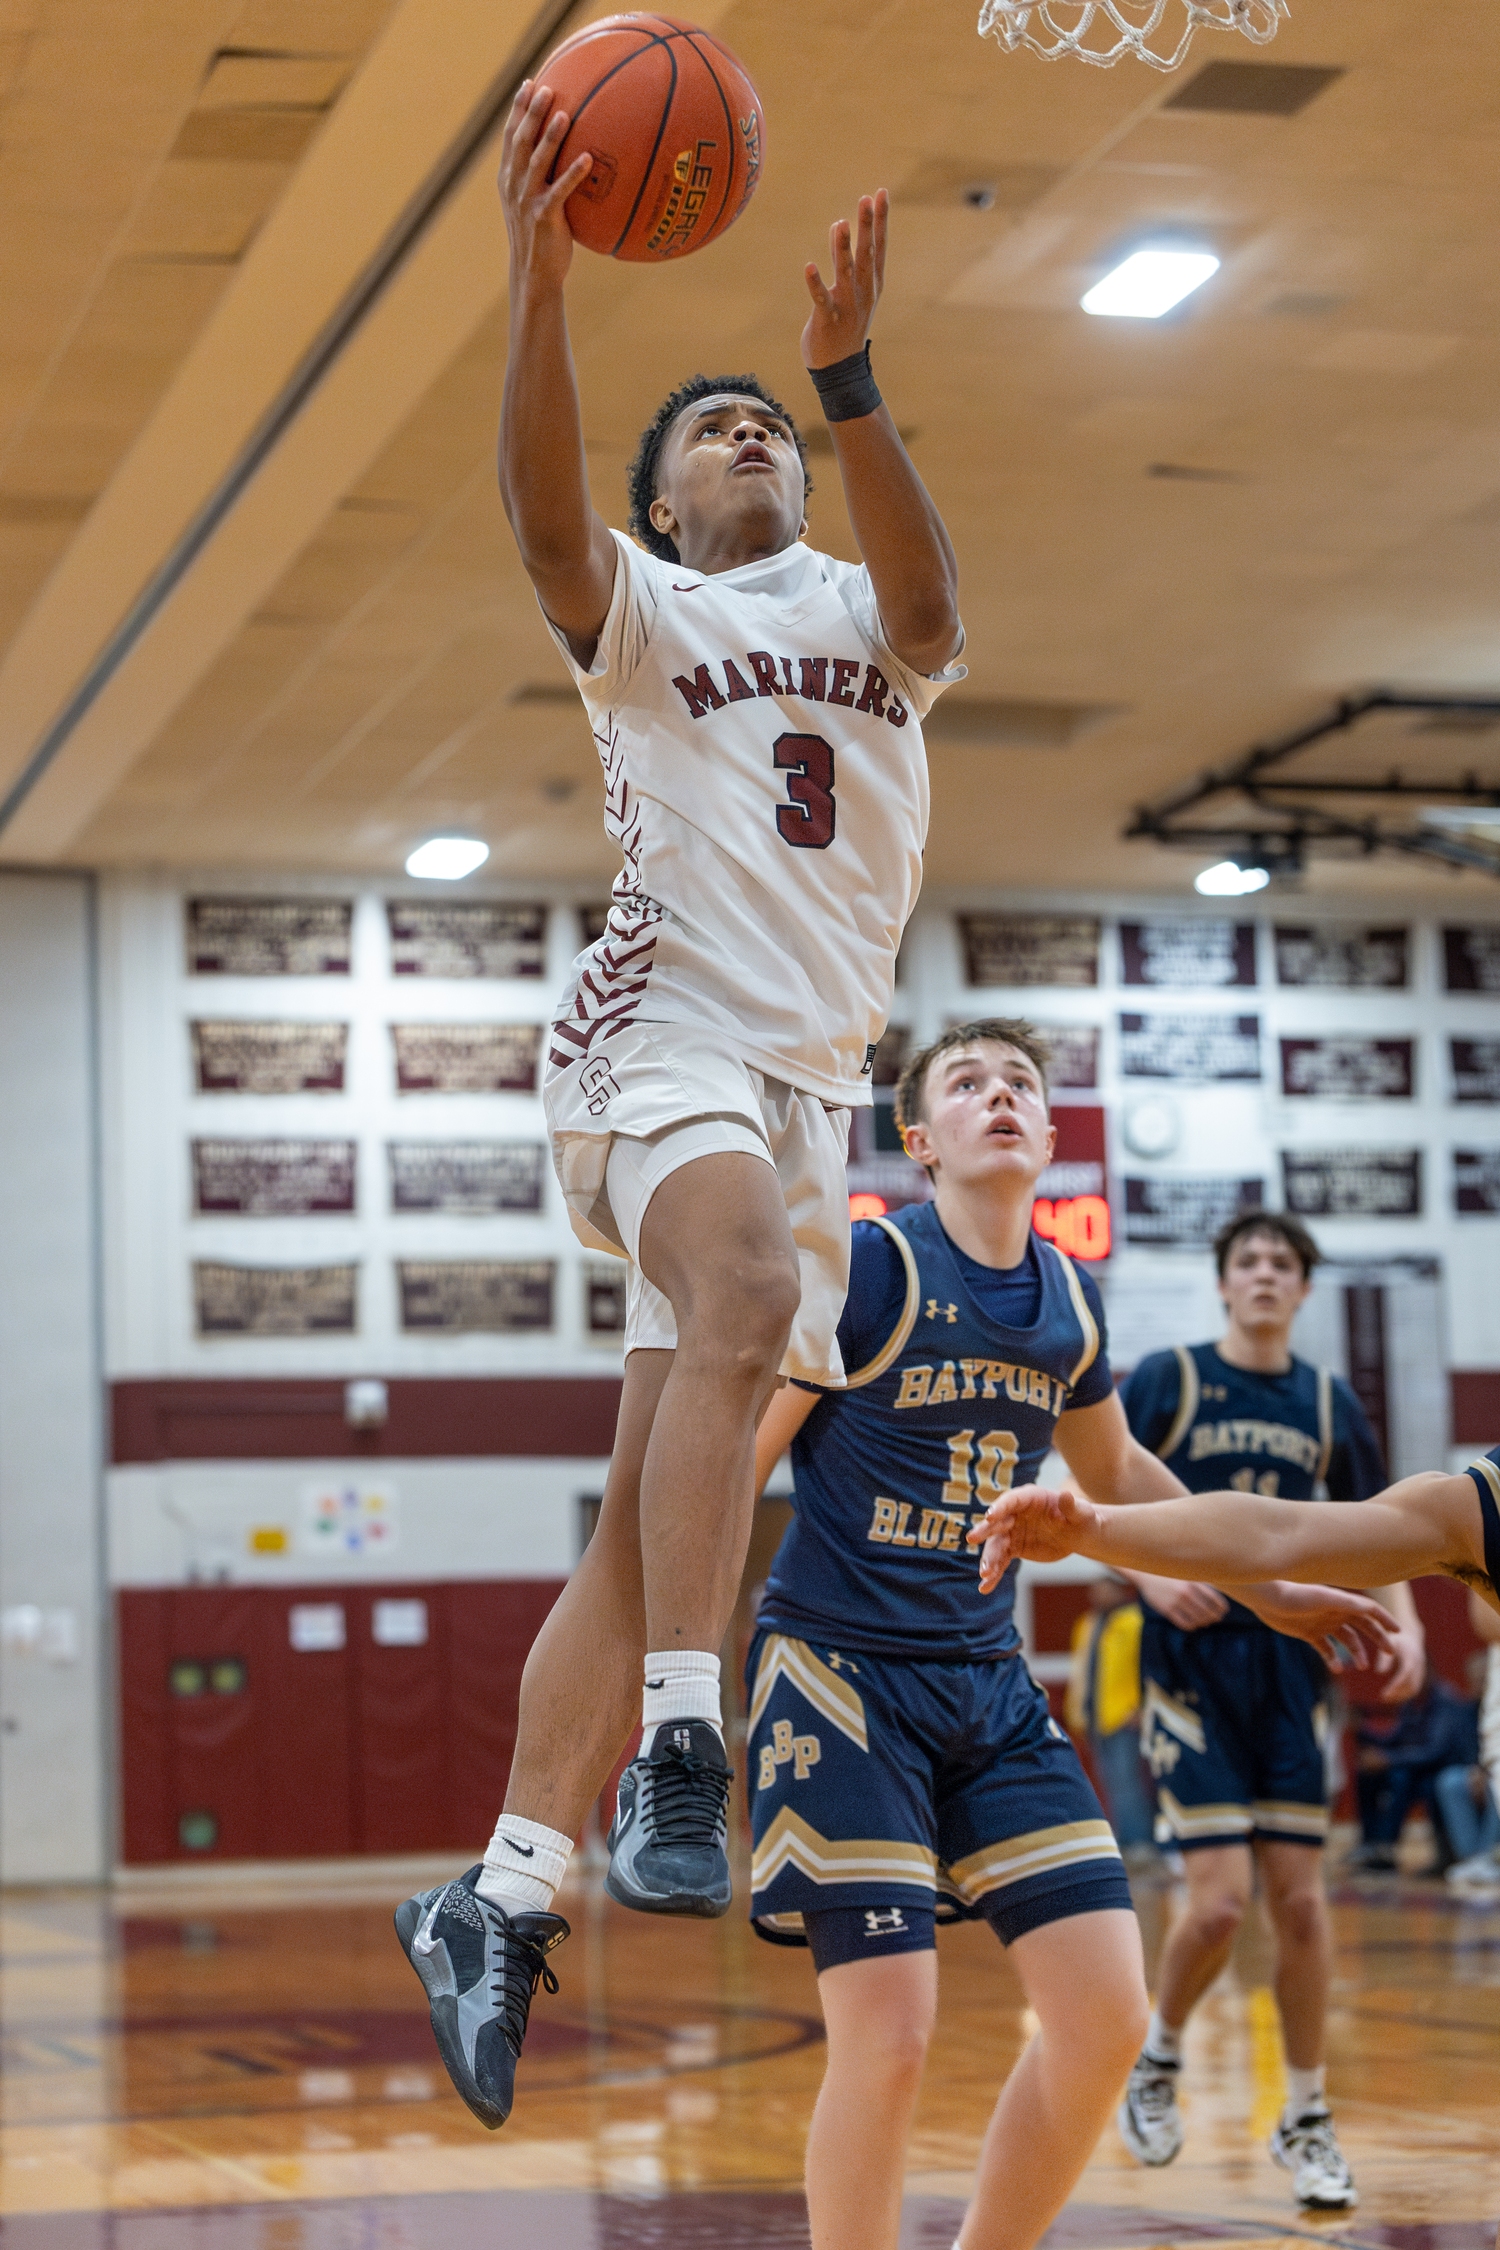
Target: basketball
674,128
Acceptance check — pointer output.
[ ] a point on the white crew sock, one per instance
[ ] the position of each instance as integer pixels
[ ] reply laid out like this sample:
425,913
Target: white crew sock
681,1683
1304,2091
1162,2041
523,1865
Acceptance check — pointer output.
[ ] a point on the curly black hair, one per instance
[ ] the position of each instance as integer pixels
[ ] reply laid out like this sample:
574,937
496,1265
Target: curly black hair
641,478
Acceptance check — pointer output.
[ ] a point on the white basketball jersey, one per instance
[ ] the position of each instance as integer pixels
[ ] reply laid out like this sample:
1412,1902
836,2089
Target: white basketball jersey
766,782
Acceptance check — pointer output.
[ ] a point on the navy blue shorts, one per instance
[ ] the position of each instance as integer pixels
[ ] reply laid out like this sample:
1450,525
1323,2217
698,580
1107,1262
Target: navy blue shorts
885,1790
1233,1721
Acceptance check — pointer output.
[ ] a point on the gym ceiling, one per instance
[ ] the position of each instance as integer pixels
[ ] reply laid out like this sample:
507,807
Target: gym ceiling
258,604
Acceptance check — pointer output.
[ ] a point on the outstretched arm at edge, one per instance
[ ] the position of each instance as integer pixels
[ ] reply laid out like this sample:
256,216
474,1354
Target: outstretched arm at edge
1425,1525
1097,1444
901,536
565,544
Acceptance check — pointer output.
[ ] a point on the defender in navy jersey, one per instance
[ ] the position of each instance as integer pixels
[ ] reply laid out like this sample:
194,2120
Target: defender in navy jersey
1233,1716
902,1764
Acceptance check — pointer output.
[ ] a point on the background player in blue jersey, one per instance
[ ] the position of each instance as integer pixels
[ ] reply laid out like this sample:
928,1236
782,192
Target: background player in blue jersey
1234,1715
901,1763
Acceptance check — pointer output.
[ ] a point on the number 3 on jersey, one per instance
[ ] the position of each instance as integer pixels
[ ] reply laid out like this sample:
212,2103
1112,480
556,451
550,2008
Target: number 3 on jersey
807,760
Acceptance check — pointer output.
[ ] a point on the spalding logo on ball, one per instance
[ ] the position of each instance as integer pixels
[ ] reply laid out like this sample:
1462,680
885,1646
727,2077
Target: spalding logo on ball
675,130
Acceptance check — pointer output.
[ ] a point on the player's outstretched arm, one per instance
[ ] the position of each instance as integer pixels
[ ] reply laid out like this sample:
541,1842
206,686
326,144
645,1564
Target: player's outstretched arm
1097,1444
1425,1525
901,536
565,546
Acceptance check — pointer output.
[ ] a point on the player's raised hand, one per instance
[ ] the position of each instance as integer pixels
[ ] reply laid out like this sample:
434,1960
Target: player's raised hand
841,314
541,241
1030,1524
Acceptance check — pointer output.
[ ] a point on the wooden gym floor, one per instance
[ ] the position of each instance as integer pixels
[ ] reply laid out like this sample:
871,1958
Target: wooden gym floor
223,2069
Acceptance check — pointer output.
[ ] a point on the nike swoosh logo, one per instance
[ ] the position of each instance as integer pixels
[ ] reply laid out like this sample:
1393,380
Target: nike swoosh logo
656,1683
527,1851
685,589
424,1942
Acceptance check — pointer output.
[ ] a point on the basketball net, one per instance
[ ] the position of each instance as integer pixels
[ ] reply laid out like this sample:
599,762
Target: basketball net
1103,31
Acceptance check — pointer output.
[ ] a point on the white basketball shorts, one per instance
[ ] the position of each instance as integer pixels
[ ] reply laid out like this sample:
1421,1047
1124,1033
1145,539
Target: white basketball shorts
653,1098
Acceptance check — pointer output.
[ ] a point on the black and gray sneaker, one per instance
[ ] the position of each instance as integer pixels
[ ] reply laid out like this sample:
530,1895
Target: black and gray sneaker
1309,2150
668,1841
480,1967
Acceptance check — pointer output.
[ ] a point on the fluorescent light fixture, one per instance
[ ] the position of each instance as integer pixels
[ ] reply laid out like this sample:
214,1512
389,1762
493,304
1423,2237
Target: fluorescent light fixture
1229,880
1150,283
1483,819
444,859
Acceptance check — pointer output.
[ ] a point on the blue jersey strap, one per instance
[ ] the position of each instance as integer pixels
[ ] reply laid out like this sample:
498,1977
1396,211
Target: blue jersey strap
1486,1475
895,1343
1187,1403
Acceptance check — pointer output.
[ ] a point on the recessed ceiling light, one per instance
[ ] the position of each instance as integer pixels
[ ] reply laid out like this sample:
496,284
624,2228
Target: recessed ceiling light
1150,283
443,859
1229,880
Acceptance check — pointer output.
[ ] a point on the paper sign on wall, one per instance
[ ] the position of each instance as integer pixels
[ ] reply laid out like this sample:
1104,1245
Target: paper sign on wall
340,1518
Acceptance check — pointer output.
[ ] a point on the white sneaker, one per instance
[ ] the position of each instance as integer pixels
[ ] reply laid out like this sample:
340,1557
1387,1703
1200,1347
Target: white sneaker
1481,1873
1149,2120
1309,2150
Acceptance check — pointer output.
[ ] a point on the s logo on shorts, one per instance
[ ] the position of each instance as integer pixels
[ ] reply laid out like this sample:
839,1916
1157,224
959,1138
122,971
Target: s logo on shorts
598,1085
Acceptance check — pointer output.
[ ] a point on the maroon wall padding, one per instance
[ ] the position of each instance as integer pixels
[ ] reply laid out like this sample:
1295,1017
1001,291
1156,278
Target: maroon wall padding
1475,1393
329,1751
445,1418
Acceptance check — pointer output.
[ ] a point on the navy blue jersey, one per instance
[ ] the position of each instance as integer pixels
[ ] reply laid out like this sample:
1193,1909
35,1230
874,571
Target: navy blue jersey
1221,1428
946,1407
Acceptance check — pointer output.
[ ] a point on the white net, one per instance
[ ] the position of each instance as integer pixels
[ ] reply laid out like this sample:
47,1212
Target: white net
1104,31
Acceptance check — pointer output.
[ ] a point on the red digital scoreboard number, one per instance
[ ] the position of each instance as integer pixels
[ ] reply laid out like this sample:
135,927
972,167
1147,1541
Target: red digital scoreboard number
1078,1224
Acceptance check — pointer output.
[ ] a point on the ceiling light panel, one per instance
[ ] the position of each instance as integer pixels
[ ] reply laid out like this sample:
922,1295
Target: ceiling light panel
1149,283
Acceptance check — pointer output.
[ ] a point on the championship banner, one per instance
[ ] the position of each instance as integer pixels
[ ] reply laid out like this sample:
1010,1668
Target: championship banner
1348,1070
1027,949
274,1300
475,1296
1476,1069
1193,1050
594,921
1188,1212
466,1176
1471,958
273,1179
269,937
1187,953
269,1058
1347,960
1075,1055
466,938
1476,1181
466,1058
605,1286
1353,1183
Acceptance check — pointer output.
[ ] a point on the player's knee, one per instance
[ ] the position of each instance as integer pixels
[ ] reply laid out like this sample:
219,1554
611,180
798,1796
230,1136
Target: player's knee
743,1317
1217,1918
1300,1917
893,2047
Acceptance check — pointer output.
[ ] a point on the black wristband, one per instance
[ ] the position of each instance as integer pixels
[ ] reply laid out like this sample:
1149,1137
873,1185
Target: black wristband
846,390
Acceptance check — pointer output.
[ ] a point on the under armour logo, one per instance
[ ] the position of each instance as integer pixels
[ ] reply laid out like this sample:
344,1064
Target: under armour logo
837,1663
935,1311
884,1921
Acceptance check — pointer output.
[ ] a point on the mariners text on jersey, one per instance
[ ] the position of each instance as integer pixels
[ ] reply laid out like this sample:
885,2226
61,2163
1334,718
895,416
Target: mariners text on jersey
959,1375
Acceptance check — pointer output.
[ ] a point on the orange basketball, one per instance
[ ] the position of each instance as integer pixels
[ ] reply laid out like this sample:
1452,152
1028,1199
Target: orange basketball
675,130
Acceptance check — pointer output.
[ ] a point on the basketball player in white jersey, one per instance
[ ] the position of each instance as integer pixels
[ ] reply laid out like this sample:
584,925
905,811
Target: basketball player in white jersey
757,707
